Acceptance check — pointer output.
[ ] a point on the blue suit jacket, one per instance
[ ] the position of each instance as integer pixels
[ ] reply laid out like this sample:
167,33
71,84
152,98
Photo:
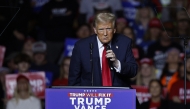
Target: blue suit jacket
80,65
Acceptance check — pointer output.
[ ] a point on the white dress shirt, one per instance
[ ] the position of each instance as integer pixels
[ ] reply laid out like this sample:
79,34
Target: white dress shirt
101,48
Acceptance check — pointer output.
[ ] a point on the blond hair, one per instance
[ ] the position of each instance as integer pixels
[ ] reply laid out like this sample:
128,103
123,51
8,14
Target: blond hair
139,81
16,93
104,18
151,14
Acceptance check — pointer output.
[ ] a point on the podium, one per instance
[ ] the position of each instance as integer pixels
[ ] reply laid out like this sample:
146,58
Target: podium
71,97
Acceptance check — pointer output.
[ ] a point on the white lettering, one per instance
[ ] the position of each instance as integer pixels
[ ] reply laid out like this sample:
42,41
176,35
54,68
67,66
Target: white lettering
81,101
72,100
76,107
98,101
83,107
96,107
12,85
103,107
87,101
107,100
90,107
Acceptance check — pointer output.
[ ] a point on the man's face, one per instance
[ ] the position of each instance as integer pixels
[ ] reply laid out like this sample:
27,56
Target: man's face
105,32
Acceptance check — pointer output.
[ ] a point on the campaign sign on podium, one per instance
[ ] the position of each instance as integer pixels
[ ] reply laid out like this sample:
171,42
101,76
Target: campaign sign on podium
90,98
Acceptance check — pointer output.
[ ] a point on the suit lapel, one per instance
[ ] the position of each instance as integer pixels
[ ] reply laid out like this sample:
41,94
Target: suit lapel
96,60
95,48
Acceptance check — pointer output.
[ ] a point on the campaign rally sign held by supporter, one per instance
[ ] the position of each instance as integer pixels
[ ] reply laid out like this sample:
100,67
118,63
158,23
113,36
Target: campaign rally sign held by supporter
49,78
69,45
130,9
37,81
143,94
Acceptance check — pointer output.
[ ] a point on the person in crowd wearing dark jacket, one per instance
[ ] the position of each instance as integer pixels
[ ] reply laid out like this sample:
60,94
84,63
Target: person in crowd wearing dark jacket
40,61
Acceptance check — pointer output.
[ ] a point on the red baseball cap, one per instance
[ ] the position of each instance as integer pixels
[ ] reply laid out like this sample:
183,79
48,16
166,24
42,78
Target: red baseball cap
146,61
155,22
123,20
19,77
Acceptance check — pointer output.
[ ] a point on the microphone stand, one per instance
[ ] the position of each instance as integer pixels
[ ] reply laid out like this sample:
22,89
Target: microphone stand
185,68
91,60
185,73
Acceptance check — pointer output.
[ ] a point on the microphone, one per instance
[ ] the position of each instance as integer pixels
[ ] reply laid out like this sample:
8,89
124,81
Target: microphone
91,60
110,62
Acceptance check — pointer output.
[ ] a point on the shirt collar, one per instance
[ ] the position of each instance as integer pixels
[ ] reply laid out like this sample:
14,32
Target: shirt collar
100,45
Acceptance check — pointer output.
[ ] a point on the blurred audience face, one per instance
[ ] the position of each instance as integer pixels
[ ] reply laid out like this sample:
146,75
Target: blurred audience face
155,89
179,3
173,56
155,32
121,23
39,58
83,31
146,70
183,24
144,12
65,66
11,65
28,45
22,85
128,32
165,37
23,66
105,32
188,65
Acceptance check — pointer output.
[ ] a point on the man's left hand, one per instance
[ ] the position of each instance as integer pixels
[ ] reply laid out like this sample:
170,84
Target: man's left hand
111,55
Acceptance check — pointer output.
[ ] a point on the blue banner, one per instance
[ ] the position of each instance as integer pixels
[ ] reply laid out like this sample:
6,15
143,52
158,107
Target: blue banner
130,9
48,75
90,98
49,78
68,46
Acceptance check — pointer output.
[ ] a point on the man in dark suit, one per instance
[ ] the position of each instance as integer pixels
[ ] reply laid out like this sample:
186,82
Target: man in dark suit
111,67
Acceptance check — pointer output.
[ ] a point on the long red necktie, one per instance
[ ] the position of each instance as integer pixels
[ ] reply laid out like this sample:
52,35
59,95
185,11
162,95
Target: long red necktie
106,73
